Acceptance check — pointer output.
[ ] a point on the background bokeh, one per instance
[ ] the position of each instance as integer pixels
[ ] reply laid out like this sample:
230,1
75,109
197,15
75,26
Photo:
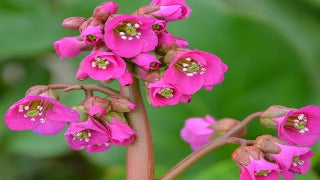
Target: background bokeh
272,48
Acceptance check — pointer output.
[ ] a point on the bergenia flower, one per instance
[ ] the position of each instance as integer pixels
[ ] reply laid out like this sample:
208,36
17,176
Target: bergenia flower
196,131
259,170
147,61
300,127
165,94
81,75
68,47
100,65
92,35
104,10
171,10
88,133
129,35
182,43
97,148
42,115
126,79
190,70
293,159
97,106
159,26
121,133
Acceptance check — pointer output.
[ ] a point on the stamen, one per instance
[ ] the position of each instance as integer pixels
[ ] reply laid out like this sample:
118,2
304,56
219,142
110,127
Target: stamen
137,25
166,92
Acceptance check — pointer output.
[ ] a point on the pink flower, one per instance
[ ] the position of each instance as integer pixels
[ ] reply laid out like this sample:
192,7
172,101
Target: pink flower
42,115
259,170
81,75
159,26
171,10
92,35
89,133
129,35
97,148
300,127
162,93
103,66
147,61
193,69
196,131
126,79
167,39
182,43
121,133
68,47
97,106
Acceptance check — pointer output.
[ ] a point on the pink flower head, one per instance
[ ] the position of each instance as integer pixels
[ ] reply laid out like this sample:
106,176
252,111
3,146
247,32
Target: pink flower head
259,170
126,79
147,61
68,47
300,127
97,106
81,75
87,133
165,94
193,69
42,115
159,26
129,35
293,159
171,10
121,133
92,35
196,131
103,66
167,39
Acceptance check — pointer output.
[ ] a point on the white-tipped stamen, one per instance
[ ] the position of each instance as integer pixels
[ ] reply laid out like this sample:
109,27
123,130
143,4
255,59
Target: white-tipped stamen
124,37
122,33
26,108
137,25
129,24
130,38
185,64
184,69
188,59
189,74
33,119
94,64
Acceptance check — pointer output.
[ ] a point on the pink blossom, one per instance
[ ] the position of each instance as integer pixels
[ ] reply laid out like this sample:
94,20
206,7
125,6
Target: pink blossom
259,170
162,93
100,65
171,10
42,115
121,133
97,106
196,131
300,127
182,43
129,35
126,79
92,35
147,61
190,70
97,148
159,26
68,47
104,10
167,39
88,133
81,75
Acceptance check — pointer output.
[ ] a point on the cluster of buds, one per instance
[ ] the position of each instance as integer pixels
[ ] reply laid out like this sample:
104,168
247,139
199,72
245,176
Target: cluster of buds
270,156
96,124
200,131
138,45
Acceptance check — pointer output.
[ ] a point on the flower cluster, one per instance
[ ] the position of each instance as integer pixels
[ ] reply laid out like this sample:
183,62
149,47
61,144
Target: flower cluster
96,125
270,156
138,45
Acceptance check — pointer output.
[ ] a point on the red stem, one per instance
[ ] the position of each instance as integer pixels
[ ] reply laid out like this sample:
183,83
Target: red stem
140,159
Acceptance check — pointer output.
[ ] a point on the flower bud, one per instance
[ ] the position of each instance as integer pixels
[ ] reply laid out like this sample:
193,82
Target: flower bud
222,126
268,144
90,22
82,112
153,77
97,106
147,61
118,115
121,133
81,75
104,10
126,79
50,93
120,104
73,23
243,154
273,112
36,90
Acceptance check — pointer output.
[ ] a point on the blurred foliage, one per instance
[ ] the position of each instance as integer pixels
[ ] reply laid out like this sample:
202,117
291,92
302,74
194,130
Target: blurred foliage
272,48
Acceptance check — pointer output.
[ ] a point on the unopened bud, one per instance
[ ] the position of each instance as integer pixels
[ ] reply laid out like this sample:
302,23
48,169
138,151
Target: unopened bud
120,104
118,115
73,23
272,112
50,93
90,22
81,75
243,154
36,90
152,78
222,126
268,144
97,106
146,10
103,11
82,112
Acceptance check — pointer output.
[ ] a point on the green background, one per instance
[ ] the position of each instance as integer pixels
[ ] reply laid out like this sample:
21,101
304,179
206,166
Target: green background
272,48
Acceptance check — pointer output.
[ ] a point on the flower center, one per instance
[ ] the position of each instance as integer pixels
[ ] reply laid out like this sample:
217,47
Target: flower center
189,66
128,30
262,173
100,63
91,38
297,161
298,122
166,92
157,27
35,110
82,135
